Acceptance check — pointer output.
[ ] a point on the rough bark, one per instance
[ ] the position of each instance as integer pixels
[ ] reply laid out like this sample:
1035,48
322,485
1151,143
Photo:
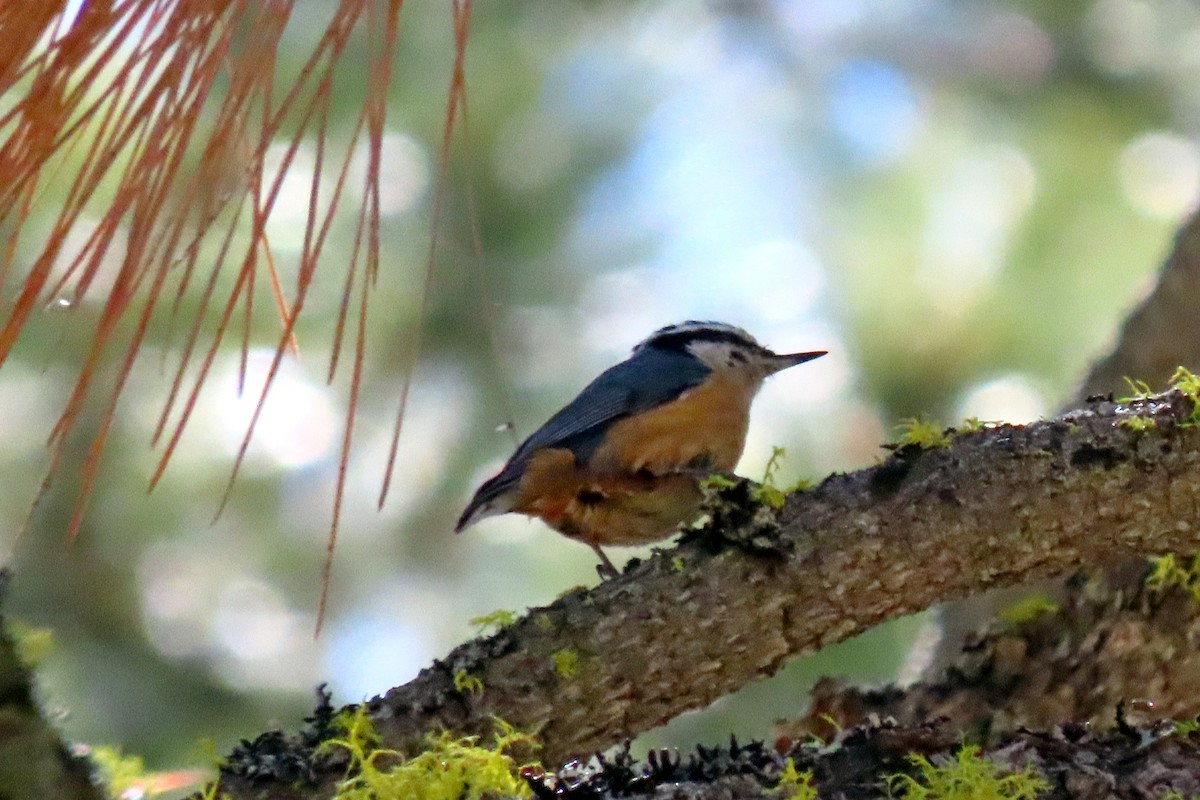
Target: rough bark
1114,642
996,507
1159,334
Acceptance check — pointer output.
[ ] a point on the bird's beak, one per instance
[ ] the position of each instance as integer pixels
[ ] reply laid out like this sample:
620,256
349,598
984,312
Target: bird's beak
785,360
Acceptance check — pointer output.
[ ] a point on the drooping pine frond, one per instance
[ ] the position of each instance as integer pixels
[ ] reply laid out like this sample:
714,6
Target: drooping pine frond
158,135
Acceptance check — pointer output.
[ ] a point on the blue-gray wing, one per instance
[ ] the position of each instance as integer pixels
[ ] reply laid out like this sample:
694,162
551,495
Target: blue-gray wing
640,383
644,381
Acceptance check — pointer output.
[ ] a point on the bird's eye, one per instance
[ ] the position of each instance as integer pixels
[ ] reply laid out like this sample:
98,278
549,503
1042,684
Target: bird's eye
738,355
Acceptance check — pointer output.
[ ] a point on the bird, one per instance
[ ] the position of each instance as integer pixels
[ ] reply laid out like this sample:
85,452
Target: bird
622,463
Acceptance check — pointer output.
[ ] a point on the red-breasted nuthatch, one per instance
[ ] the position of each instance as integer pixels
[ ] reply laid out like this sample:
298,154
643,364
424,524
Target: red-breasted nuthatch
621,464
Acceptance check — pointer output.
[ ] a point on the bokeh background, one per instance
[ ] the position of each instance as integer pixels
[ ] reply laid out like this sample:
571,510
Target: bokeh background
958,200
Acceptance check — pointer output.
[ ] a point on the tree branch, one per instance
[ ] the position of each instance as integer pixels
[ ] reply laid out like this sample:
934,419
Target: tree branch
1155,337
997,507
1113,641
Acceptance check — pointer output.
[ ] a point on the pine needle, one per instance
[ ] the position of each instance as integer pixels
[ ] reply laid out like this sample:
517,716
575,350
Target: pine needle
141,132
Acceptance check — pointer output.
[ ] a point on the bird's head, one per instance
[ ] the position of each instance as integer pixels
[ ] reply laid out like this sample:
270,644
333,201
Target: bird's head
724,348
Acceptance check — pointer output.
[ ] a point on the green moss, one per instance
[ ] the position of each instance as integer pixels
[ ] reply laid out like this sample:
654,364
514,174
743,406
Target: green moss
566,662
1189,384
125,776
1141,390
543,623
794,785
1167,572
677,563
1139,424
1186,727
451,768
1186,382
496,621
717,482
770,496
966,777
466,683
975,424
121,775
767,492
1028,608
922,433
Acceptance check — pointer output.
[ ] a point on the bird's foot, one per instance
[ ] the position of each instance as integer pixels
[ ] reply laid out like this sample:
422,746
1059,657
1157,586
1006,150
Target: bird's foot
605,568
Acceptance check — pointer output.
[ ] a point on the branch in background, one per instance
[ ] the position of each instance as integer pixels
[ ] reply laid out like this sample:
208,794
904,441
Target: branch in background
1113,640
998,507
1159,334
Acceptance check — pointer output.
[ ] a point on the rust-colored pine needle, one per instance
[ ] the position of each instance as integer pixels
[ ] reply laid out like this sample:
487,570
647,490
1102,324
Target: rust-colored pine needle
152,140
455,106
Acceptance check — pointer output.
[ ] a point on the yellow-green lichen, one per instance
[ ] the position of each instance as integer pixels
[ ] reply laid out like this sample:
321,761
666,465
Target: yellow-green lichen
677,563
452,768
966,776
566,662
543,623
494,622
466,683
922,433
795,785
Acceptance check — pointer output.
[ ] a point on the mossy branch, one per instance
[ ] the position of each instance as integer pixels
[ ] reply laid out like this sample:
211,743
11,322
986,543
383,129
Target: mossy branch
997,507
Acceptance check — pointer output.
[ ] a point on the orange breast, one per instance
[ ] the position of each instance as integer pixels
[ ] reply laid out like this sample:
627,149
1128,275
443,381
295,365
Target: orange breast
705,427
